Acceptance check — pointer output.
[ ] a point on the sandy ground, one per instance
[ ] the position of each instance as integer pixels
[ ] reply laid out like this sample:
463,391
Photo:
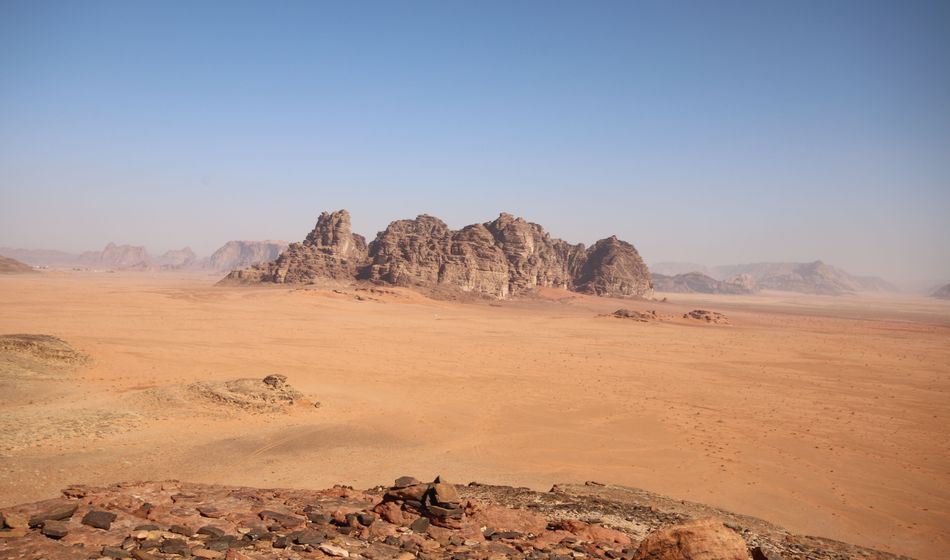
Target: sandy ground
827,415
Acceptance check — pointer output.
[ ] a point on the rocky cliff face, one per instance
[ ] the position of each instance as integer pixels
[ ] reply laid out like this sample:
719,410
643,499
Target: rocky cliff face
330,251
505,257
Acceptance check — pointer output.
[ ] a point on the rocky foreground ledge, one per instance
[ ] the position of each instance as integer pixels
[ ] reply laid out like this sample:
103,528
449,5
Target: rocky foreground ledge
411,519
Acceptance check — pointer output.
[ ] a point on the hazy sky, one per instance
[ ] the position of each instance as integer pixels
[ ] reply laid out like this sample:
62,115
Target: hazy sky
712,132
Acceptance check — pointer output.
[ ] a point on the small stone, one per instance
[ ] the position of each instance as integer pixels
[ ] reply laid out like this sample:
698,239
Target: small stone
317,517
55,529
57,513
210,511
211,531
420,525
146,527
182,530
207,554
284,520
445,494
332,550
175,546
310,537
115,552
281,542
366,519
99,519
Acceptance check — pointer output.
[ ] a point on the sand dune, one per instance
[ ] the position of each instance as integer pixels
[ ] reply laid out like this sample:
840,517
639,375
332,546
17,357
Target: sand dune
826,415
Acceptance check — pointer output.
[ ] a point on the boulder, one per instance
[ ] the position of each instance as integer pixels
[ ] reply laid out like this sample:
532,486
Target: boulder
701,539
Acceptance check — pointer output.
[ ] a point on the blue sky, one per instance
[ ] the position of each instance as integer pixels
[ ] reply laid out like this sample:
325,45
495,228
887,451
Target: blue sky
711,132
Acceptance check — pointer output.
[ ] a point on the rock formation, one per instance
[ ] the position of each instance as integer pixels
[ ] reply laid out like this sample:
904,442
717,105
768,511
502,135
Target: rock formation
13,266
695,282
331,251
234,255
707,316
505,257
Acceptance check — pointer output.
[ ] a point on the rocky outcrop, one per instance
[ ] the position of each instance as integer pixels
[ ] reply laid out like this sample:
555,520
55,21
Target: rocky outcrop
501,258
13,266
695,282
943,292
234,255
330,251
613,268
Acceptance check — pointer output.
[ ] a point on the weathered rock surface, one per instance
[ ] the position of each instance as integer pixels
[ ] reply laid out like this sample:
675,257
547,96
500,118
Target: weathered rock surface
695,282
236,254
505,257
13,266
154,521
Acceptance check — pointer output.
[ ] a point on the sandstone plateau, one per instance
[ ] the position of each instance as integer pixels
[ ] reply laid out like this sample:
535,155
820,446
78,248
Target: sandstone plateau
502,258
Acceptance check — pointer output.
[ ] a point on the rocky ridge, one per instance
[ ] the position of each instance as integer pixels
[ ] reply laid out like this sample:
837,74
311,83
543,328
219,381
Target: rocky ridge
501,258
410,519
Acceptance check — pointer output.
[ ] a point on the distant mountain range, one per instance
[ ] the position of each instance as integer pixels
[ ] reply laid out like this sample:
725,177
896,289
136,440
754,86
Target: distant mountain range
231,256
943,292
809,278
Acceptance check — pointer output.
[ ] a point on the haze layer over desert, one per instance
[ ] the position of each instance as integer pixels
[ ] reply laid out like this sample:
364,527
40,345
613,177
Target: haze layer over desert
826,415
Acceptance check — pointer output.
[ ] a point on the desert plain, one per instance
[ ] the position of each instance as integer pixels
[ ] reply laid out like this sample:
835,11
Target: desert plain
827,415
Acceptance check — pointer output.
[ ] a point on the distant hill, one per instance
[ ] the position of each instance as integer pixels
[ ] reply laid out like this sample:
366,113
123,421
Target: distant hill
942,292
695,282
810,278
13,266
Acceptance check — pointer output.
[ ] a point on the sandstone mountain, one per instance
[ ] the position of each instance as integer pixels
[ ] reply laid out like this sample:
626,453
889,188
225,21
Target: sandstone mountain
13,266
241,254
677,268
695,282
943,292
505,257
